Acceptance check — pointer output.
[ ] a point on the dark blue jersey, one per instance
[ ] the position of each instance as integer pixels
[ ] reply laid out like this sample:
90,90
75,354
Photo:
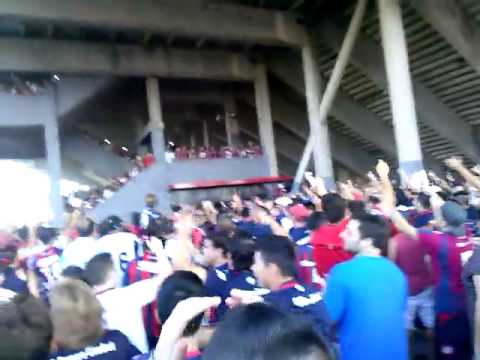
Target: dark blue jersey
113,345
12,282
304,301
222,282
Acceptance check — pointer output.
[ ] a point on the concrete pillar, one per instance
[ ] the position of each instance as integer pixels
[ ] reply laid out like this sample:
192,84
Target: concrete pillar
264,114
322,156
156,123
206,138
54,162
231,121
400,87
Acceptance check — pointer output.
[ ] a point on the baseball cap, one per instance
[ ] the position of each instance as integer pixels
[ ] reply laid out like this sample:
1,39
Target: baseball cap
455,217
299,212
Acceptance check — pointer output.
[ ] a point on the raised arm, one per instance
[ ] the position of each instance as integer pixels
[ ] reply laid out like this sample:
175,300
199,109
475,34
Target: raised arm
457,165
389,201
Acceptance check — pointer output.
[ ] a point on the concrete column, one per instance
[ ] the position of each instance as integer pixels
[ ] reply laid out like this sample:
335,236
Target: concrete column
400,87
322,156
54,162
231,121
156,123
206,138
264,114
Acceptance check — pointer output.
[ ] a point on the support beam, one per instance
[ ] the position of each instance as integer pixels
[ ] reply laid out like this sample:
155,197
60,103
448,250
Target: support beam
231,121
450,20
322,157
264,115
400,87
180,17
156,124
20,55
367,57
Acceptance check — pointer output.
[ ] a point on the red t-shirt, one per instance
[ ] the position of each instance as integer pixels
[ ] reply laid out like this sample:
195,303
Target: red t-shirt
328,246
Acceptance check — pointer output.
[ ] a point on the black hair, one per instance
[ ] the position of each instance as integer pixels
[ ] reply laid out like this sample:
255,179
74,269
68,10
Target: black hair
109,225
245,213
262,332
179,286
98,268
357,209
219,240
45,234
25,329
424,200
278,250
23,233
315,219
241,250
334,207
375,228
85,227
74,272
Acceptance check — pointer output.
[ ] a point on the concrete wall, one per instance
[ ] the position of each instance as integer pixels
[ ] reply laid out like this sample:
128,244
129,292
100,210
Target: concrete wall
97,159
157,179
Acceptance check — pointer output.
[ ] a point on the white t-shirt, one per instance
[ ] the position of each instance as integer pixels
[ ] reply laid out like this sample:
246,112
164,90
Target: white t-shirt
79,252
122,247
123,310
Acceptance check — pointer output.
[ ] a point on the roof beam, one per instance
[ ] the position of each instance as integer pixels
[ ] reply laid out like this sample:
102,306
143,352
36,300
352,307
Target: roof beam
368,58
450,20
125,60
180,17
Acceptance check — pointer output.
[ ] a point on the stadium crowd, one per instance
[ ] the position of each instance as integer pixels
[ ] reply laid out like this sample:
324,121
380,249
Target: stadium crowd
353,274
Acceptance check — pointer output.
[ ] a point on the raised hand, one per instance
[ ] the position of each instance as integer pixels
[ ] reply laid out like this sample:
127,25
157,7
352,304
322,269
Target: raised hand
454,163
382,169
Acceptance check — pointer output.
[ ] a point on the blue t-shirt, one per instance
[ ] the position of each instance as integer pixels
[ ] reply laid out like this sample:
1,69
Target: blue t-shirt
298,233
366,297
112,346
14,283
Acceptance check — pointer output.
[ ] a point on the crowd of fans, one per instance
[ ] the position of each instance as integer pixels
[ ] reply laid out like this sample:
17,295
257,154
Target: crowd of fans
249,151
353,274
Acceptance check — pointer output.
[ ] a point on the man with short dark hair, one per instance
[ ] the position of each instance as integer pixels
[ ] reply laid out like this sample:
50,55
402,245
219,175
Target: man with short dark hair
123,306
366,296
327,245
274,268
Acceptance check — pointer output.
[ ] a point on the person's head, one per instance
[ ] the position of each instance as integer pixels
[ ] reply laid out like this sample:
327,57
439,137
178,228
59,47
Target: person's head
422,202
357,209
215,249
315,219
76,314
225,223
25,329
274,261
73,272
454,216
8,251
23,233
261,332
179,286
299,213
45,234
334,207
110,225
461,196
100,271
151,200
85,227
241,250
368,232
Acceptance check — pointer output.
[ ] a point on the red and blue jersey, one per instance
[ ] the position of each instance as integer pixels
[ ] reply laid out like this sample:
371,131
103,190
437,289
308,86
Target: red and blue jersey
46,267
133,275
448,253
220,282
